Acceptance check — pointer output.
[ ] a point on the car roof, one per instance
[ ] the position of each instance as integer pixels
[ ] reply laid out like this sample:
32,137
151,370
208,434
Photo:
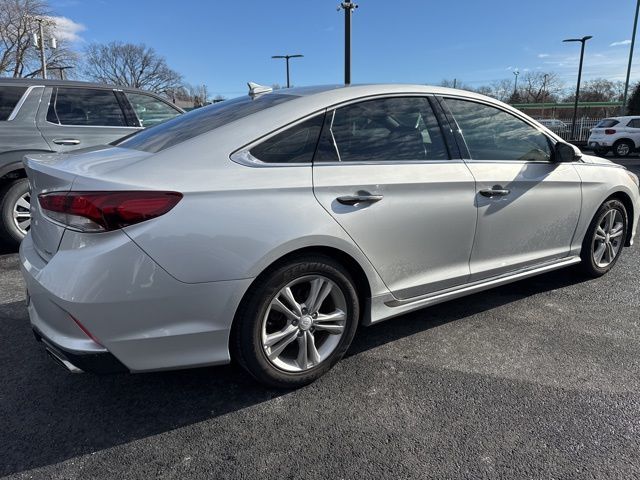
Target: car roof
363,90
626,117
64,83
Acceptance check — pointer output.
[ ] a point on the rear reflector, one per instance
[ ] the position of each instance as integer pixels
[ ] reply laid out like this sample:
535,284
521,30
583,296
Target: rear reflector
84,330
105,211
609,131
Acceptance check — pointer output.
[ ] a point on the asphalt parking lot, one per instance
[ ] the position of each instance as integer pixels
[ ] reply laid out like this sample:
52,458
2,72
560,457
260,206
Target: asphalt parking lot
540,378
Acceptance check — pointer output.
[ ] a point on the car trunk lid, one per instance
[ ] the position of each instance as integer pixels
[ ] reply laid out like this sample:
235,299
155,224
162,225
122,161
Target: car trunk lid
58,173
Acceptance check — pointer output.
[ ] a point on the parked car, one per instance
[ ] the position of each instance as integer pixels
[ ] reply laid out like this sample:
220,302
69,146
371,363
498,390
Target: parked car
38,116
621,135
552,123
268,227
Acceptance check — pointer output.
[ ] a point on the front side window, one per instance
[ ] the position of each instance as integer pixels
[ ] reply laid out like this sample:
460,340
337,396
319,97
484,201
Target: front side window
294,145
85,107
9,98
389,129
150,110
493,134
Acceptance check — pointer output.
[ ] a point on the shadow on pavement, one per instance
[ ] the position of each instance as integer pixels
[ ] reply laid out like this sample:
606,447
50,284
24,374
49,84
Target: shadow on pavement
48,415
6,249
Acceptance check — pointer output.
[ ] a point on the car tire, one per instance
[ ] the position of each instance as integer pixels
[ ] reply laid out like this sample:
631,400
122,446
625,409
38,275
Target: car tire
601,152
595,261
10,196
623,148
260,319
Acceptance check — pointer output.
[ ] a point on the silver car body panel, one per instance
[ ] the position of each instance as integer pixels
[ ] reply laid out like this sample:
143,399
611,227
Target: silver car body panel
163,293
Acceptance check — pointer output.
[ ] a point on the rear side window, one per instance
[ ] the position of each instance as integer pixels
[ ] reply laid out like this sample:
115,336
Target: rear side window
197,122
607,123
9,98
85,107
635,123
390,129
150,110
294,145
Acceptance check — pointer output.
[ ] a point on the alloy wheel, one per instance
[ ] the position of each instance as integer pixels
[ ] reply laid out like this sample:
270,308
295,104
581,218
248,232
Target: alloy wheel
607,240
304,323
623,150
22,213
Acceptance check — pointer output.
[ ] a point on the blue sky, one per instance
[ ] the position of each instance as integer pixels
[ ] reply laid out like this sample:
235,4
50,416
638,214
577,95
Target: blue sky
224,44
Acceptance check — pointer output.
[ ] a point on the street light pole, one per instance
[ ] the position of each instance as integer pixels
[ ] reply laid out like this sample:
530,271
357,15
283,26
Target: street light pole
515,85
545,77
348,6
583,41
633,42
287,57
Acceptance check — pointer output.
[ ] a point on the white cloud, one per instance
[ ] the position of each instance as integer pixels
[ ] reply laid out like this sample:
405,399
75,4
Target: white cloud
623,42
67,29
543,55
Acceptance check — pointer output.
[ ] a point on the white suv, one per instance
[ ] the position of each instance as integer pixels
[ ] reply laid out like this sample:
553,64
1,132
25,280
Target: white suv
618,134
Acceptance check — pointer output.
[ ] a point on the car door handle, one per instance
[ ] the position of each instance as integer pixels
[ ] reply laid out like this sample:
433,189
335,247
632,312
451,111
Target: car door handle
356,199
495,192
66,141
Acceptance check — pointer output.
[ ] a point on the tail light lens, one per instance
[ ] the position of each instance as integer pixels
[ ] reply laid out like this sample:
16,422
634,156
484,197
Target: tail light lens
609,131
106,211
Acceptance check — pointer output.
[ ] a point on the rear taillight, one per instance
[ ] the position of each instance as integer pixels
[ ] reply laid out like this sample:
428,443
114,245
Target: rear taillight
609,131
105,211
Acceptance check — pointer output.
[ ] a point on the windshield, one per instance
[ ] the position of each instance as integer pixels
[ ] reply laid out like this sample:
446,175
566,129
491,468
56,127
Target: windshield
607,122
197,122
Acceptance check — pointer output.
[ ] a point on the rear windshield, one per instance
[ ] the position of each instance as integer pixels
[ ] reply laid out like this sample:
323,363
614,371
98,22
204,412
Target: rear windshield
9,98
607,122
197,122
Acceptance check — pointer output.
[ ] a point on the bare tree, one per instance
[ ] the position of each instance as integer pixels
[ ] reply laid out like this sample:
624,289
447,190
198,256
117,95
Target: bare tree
599,90
539,87
502,90
130,65
18,55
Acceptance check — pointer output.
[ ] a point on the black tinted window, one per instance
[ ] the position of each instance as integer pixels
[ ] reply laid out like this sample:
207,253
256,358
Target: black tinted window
294,145
9,98
493,134
197,122
87,107
390,129
607,122
635,123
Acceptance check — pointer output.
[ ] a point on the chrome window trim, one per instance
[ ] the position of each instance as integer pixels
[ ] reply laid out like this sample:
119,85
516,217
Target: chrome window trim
23,99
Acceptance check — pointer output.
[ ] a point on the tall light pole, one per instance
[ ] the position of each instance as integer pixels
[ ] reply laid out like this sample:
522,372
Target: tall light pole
545,77
287,57
583,41
515,85
633,42
348,6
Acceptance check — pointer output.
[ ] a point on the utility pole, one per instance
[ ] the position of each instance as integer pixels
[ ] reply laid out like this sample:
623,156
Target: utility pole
43,61
633,42
544,90
348,6
583,41
287,57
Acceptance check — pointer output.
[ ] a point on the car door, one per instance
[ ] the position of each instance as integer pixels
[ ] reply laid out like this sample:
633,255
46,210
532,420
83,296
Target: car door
77,117
528,205
633,131
383,171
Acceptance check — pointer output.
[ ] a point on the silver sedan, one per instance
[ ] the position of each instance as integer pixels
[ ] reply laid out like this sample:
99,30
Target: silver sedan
265,229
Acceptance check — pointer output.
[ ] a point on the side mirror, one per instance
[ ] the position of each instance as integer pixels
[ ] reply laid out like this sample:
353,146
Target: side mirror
565,152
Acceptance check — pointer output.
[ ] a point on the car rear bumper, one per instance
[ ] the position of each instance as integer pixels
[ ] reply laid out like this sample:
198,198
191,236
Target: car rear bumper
78,362
100,298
